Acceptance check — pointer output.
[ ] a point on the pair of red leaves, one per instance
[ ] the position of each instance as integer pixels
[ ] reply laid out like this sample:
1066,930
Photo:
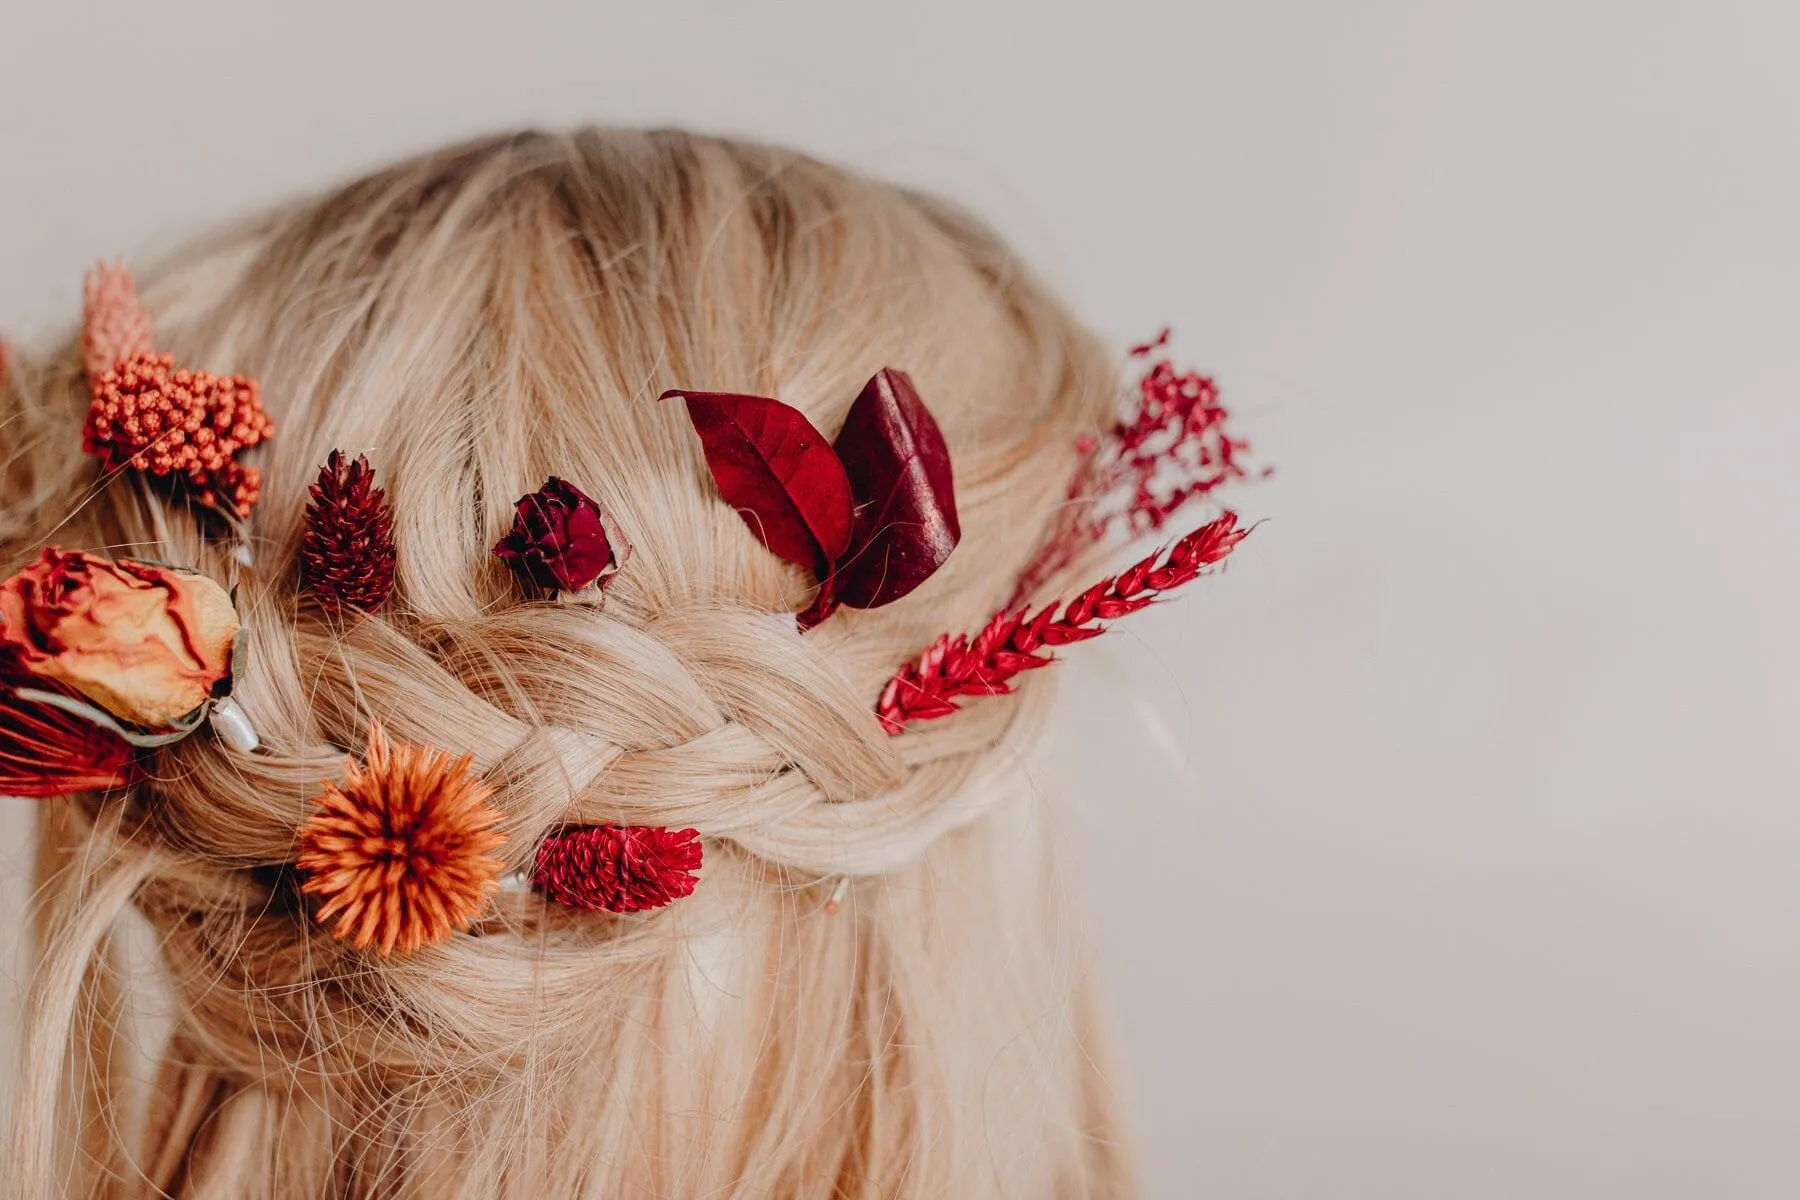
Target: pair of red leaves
873,513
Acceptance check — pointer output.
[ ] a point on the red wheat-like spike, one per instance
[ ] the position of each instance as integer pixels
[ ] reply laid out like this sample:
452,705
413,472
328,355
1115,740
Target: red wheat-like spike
1014,642
618,868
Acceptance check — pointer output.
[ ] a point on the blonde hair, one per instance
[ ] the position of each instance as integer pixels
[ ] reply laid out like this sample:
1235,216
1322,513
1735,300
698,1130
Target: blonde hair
476,320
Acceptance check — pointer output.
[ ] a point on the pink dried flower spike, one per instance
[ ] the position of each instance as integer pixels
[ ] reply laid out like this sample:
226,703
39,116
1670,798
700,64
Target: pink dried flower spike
116,325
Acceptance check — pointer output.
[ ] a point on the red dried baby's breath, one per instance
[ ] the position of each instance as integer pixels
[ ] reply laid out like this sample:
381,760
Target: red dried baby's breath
618,868
1015,641
1169,448
347,555
402,849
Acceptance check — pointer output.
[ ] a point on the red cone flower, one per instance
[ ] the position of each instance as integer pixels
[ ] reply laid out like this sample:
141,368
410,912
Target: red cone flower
618,868
347,557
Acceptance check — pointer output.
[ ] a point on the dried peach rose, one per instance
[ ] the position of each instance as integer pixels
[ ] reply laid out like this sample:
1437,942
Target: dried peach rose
149,644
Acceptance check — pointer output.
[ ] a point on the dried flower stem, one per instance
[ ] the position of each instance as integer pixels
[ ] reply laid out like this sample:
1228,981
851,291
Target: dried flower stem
1169,447
1015,642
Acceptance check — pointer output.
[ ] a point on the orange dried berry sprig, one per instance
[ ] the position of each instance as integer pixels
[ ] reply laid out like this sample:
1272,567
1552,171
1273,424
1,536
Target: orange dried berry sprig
164,420
149,415
402,850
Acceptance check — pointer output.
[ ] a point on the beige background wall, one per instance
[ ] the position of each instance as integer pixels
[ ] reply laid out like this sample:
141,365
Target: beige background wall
1453,847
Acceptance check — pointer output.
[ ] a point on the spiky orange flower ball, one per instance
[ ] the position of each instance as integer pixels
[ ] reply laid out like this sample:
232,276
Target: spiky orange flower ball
402,849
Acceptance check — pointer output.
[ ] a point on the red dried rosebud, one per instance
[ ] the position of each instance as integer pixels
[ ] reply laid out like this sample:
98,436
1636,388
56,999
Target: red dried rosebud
618,868
559,539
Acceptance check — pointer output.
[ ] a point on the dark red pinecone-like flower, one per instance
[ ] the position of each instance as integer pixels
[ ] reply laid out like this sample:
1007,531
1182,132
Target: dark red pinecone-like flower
618,868
347,556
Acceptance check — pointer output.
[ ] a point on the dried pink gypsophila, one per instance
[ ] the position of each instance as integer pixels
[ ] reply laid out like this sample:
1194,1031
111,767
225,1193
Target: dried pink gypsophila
1015,642
1168,448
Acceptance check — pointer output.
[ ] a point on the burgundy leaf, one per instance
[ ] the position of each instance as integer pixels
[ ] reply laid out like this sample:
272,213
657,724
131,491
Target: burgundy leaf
899,471
778,472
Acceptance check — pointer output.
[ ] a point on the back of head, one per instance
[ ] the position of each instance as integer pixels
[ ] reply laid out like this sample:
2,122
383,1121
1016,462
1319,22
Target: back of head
474,321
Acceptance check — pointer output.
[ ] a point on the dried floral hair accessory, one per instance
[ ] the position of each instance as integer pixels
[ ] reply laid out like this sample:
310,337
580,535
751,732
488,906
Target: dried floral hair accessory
347,553
168,422
1168,448
1015,641
618,868
873,514
401,851
560,540
45,750
144,651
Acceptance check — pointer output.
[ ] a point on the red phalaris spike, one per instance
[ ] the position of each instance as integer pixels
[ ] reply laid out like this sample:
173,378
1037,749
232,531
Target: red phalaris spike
618,868
778,471
900,478
45,751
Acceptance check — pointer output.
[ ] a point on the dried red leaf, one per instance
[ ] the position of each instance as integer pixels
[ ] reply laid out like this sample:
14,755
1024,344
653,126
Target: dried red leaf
900,478
45,751
778,471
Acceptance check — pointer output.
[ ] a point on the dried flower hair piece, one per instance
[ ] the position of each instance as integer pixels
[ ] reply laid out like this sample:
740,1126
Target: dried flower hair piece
618,868
1014,641
561,541
1168,447
149,415
402,850
143,651
45,750
347,554
873,514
